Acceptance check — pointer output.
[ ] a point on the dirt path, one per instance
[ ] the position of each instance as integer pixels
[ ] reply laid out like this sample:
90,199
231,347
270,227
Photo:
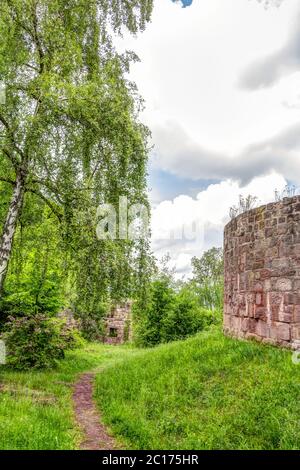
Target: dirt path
95,434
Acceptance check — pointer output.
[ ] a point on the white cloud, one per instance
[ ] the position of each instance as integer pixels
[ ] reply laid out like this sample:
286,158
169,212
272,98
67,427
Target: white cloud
209,211
266,71
204,125
178,153
191,60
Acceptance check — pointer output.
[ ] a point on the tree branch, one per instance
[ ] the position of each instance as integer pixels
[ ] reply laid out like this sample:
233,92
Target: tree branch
49,186
11,158
55,210
11,137
7,180
36,38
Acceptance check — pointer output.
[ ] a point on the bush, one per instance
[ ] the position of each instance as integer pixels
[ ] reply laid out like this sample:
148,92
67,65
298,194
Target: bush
171,315
92,322
69,334
186,317
92,327
37,341
148,322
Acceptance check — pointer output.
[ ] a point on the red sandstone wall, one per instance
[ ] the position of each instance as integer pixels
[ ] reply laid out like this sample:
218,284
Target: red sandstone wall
119,319
262,274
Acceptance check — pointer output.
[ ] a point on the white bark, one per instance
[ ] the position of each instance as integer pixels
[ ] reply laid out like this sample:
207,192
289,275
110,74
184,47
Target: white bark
9,229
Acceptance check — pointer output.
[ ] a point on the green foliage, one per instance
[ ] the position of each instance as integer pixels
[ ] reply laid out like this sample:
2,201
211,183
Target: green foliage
70,335
210,296
35,280
38,341
208,281
91,323
127,331
70,132
185,318
208,392
170,315
208,268
176,310
149,323
36,407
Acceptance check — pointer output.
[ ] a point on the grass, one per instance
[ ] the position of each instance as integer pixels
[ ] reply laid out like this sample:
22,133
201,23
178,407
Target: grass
209,392
36,410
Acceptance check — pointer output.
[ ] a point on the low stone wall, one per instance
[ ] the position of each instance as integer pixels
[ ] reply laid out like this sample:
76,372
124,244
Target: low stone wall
262,274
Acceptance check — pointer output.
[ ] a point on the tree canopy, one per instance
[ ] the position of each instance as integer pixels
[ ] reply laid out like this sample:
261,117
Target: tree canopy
70,139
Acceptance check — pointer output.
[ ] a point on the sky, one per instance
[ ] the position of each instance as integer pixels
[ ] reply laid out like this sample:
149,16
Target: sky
220,81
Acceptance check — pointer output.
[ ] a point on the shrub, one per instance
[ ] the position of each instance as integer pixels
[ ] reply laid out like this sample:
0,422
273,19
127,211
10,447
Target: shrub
37,341
148,327
186,317
92,327
69,334
92,322
171,315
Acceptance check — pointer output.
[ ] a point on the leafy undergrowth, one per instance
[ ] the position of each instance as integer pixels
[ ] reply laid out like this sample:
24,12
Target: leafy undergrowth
208,392
36,409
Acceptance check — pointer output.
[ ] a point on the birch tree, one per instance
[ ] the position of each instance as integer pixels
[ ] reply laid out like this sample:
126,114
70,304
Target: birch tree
69,113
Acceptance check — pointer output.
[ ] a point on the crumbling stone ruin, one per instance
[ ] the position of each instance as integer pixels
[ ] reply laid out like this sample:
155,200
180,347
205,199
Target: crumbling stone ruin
68,316
262,274
118,324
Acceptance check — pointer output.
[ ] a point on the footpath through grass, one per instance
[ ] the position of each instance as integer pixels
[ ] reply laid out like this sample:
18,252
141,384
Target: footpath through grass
209,392
36,409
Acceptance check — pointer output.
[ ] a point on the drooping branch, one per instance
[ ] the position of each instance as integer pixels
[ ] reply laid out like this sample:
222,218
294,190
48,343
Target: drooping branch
7,180
13,160
54,208
48,185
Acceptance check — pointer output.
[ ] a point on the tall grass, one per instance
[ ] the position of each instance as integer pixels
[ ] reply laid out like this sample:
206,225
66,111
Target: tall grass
36,409
208,392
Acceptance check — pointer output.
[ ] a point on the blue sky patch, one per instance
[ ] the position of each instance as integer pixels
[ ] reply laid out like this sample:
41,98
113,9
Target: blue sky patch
185,3
164,185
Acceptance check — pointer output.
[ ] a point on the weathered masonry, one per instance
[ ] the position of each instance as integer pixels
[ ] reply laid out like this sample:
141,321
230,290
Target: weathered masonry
118,324
262,274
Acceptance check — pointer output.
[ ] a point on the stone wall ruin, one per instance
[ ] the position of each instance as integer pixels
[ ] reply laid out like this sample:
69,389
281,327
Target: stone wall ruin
262,274
118,324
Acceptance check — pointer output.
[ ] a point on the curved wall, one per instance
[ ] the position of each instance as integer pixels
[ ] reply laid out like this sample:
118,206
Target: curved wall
262,274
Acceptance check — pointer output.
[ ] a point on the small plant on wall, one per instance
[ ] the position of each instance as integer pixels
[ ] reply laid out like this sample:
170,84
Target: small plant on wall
288,191
245,204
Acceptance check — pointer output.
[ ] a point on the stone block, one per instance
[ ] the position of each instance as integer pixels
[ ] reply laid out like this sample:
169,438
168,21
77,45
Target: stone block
296,316
281,331
276,298
285,317
260,312
265,274
295,332
267,285
275,313
245,324
258,287
259,299
262,329
284,284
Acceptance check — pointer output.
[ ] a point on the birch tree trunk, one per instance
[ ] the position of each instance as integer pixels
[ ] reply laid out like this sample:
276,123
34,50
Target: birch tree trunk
9,229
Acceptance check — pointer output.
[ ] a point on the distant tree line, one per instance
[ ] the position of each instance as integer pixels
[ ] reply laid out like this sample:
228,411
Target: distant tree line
174,309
